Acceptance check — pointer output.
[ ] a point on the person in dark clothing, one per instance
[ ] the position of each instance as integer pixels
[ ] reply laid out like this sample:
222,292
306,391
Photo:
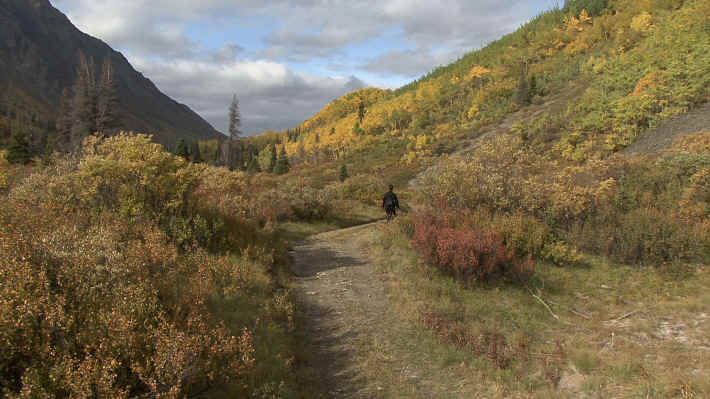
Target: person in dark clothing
390,203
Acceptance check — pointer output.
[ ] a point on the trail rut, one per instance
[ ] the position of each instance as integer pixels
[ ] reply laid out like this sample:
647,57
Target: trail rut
340,301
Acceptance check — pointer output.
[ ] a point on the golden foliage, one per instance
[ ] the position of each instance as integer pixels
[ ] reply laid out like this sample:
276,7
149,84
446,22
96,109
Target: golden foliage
5,170
477,72
648,82
120,271
642,23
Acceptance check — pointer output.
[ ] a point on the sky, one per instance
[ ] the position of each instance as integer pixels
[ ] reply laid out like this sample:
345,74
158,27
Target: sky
285,60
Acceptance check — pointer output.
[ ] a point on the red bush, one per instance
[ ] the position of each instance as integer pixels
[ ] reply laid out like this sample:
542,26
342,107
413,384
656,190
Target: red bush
466,252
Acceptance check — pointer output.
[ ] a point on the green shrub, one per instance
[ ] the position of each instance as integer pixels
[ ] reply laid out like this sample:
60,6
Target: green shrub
365,188
593,7
131,175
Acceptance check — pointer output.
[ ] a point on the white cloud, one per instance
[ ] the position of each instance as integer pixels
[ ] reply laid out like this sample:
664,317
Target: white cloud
409,63
159,38
271,96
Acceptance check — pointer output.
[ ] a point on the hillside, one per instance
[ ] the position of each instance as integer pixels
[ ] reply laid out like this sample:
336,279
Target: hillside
39,57
620,68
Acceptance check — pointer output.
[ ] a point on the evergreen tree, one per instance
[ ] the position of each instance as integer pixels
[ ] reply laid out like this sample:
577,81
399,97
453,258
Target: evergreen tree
64,120
254,166
361,111
196,154
181,149
301,151
19,150
83,105
106,98
218,161
533,87
235,121
523,95
343,173
236,155
272,160
282,165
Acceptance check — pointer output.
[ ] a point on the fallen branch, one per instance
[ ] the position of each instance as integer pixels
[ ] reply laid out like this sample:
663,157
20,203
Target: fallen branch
625,316
546,305
573,310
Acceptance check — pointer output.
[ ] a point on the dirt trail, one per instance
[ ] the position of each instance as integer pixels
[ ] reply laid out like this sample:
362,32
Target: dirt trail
342,306
340,300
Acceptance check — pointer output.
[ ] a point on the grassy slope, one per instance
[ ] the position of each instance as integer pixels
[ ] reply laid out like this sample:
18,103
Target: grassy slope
620,331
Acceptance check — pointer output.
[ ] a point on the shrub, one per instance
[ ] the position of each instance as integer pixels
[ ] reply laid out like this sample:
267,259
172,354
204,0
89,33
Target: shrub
560,253
138,178
468,254
365,188
5,171
112,285
309,203
594,7
111,311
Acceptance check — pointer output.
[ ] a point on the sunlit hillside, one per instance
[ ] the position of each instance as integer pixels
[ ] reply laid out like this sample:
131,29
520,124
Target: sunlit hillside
621,68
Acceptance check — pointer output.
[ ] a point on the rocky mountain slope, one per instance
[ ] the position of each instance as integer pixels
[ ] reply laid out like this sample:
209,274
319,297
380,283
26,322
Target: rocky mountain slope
39,49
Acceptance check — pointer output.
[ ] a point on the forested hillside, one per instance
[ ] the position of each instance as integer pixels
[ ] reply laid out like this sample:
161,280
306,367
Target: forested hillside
42,59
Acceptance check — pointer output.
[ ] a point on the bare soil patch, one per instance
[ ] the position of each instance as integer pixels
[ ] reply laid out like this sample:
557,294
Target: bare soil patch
655,140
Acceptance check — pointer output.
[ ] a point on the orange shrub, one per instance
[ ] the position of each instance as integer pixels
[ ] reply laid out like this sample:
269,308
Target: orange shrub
467,253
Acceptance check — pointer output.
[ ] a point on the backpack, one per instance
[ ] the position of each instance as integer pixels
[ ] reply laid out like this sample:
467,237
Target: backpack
389,200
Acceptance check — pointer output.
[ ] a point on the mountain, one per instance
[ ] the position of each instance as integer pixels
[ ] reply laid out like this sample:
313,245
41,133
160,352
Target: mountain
39,48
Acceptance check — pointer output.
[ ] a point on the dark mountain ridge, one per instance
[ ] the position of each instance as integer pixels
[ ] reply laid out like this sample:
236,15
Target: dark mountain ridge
39,48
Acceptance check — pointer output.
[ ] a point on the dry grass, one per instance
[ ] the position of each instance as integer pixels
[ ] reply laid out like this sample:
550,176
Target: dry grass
622,331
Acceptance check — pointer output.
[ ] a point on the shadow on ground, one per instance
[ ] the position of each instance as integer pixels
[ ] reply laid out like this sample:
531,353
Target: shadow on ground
326,360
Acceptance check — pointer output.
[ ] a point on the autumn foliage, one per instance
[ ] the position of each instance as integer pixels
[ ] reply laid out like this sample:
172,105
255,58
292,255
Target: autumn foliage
468,253
115,277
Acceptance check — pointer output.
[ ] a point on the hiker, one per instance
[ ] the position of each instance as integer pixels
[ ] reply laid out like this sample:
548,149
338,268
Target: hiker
390,203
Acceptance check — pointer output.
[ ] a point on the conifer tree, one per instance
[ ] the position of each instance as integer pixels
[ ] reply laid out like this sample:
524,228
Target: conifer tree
196,155
218,161
272,160
64,120
181,149
106,98
236,155
235,121
361,111
83,104
19,150
523,95
254,166
282,165
343,173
